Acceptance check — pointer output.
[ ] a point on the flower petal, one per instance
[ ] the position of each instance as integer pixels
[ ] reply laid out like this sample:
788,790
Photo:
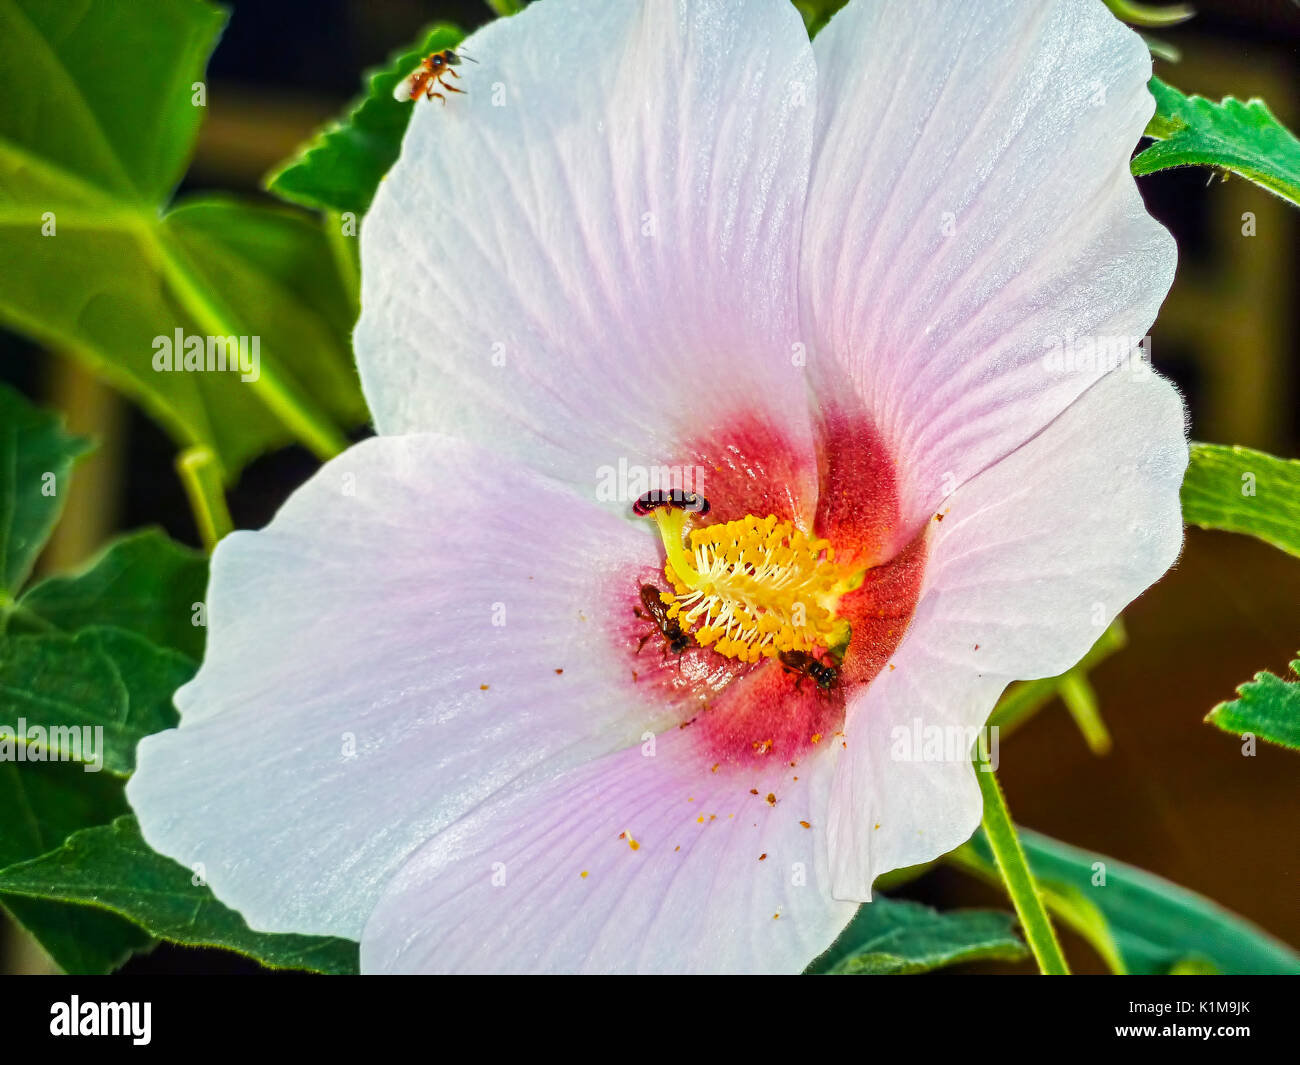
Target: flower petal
592,255
1033,559
629,864
418,627
970,200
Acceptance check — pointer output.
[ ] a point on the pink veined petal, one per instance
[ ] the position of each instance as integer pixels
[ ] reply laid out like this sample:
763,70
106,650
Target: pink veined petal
382,657
685,871
970,201
1034,558
592,256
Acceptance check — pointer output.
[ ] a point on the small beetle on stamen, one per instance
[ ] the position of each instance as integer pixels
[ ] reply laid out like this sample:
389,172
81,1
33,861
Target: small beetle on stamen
427,77
670,629
806,665
677,498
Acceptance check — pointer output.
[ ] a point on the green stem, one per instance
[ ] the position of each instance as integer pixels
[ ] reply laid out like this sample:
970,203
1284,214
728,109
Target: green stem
1139,14
1081,701
344,249
1070,908
1016,876
200,473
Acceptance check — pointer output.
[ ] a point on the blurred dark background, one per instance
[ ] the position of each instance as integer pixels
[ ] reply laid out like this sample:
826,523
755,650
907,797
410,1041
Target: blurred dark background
1175,796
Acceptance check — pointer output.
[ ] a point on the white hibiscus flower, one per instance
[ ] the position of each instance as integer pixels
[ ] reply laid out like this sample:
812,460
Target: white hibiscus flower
824,281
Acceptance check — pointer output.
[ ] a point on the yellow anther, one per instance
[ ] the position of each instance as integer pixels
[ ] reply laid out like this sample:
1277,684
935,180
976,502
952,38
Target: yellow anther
754,587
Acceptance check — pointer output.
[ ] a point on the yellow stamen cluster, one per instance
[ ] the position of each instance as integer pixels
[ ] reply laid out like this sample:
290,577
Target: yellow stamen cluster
755,587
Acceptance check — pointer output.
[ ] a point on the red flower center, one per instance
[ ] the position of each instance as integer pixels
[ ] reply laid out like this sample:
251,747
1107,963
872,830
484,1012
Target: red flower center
791,700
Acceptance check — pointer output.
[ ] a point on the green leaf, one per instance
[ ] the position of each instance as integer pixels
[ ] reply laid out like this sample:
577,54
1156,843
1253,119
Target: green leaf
79,940
144,583
44,803
1240,490
112,868
101,678
1267,707
1244,138
340,168
271,273
36,457
893,936
1194,966
97,126
114,113
1154,924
